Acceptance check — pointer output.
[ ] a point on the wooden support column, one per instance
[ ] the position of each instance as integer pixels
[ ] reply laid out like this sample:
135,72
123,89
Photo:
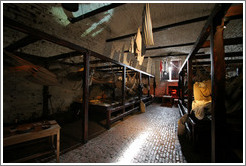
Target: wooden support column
85,98
179,87
182,87
45,102
140,86
218,128
190,84
140,90
148,86
154,85
45,99
123,87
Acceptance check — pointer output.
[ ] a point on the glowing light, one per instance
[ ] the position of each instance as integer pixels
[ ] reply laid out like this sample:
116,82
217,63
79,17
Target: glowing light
60,16
133,149
170,73
97,32
95,25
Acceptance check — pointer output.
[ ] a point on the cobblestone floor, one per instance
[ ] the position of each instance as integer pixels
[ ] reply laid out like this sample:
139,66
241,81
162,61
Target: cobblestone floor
149,137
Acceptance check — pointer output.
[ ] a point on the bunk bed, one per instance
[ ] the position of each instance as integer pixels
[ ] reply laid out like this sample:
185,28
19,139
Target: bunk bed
100,62
209,116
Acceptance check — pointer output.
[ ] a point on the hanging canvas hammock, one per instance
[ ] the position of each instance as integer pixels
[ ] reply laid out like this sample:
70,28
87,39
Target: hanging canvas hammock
35,73
147,34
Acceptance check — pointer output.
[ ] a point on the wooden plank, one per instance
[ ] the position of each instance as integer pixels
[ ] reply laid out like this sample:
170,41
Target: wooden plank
182,87
140,86
206,44
154,85
170,55
161,28
123,88
21,43
230,41
229,54
190,84
233,61
65,55
170,46
95,12
45,112
234,11
148,85
32,58
219,10
123,114
218,111
85,98
19,138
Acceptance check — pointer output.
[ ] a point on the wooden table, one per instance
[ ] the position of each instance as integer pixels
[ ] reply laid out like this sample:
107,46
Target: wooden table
167,100
10,137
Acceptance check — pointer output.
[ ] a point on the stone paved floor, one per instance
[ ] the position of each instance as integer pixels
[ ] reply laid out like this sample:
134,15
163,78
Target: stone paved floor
149,137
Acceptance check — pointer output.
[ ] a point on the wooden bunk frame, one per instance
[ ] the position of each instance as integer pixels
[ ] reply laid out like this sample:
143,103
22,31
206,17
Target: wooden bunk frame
35,35
214,27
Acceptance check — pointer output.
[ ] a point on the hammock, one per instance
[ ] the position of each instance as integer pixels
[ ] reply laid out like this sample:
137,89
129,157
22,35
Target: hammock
35,73
147,33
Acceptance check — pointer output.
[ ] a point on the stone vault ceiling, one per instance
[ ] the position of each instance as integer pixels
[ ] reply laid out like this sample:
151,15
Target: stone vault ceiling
93,32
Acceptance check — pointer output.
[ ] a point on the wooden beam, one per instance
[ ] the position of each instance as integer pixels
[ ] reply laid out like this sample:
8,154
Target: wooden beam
32,58
182,87
148,85
42,35
229,54
190,84
218,9
106,67
154,86
65,55
218,111
21,43
95,12
161,28
235,11
169,46
230,41
123,88
171,55
81,63
85,99
230,61
45,112
206,44
140,86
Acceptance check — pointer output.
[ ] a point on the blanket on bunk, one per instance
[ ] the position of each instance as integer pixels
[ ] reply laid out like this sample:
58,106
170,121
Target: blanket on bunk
201,108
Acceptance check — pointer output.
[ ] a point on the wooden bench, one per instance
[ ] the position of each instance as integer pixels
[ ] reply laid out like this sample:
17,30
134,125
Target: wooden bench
12,137
123,110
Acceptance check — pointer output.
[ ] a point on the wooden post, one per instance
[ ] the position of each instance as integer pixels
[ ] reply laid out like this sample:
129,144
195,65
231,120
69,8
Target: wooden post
123,87
148,86
182,87
218,127
190,84
179,87
140,90
85,98
45,99
45,102
154,85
